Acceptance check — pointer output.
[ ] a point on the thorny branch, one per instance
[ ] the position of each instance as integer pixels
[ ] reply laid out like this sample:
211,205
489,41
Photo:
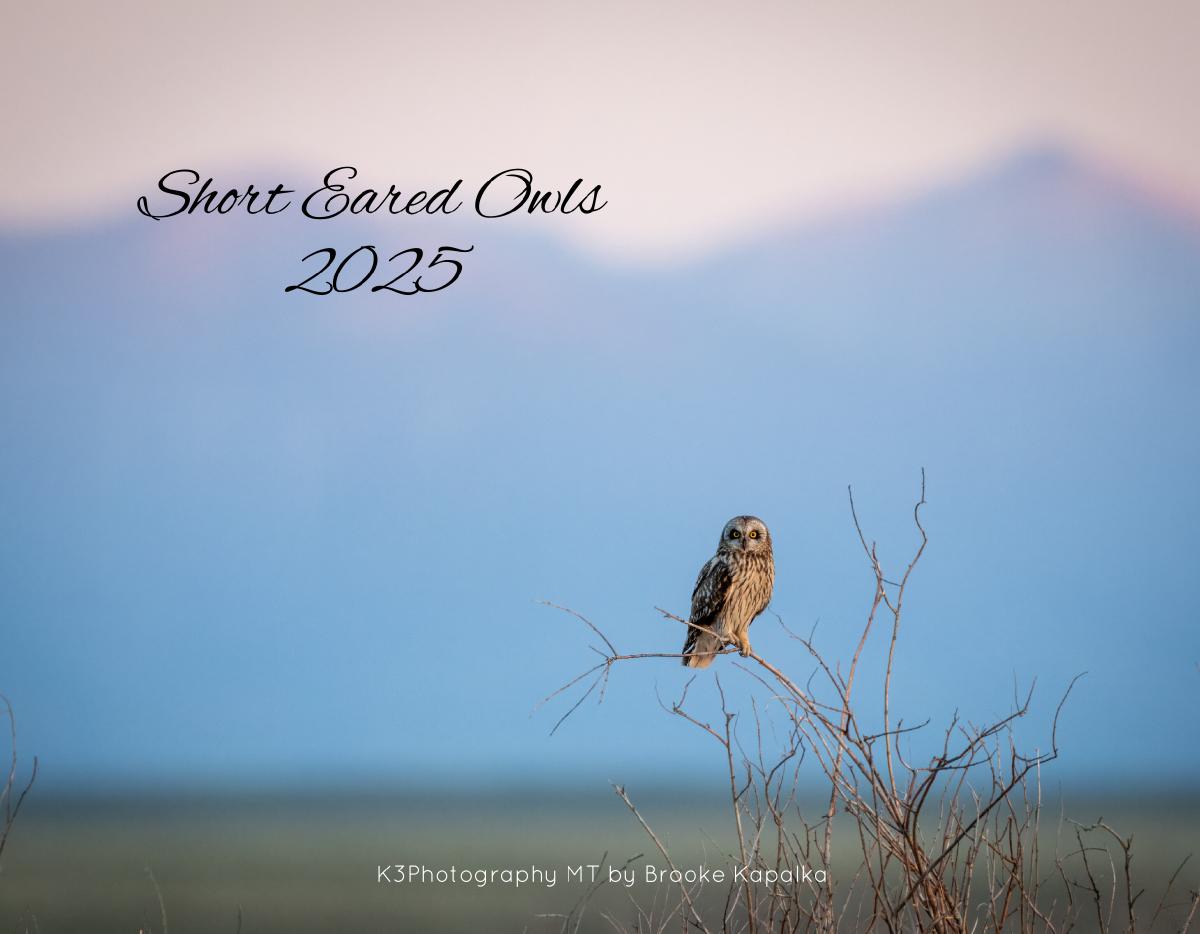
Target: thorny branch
10,806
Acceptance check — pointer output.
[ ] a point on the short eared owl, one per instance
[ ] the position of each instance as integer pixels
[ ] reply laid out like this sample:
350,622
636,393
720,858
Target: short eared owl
733,588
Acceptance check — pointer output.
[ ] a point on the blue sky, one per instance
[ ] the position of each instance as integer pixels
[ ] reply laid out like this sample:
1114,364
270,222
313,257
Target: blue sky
263,537
257,537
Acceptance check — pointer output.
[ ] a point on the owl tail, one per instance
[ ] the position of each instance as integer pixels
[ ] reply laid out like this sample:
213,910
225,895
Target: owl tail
703,651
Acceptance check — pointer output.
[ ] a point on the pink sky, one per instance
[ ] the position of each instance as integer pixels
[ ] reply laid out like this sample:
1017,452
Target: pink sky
701,121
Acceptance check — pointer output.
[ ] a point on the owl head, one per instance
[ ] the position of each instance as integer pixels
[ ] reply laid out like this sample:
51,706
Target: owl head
745,534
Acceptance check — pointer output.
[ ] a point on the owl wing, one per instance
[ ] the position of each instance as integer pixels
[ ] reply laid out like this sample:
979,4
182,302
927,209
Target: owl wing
708,597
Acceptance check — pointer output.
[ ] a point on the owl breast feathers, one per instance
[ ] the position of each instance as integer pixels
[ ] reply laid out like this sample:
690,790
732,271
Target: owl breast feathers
734,586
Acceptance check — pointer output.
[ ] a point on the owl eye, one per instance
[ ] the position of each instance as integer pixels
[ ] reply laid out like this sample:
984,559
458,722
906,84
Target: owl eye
754,533
735,534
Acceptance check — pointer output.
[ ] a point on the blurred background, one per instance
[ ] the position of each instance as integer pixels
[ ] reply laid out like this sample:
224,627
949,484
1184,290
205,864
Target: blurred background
270,562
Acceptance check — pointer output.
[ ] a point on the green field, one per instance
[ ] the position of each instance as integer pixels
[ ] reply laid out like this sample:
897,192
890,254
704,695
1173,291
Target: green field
300,864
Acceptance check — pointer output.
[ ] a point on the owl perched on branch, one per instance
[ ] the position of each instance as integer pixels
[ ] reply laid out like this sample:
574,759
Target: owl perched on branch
734,586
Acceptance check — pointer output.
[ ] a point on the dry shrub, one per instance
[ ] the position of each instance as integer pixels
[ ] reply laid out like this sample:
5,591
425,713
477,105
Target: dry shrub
950,842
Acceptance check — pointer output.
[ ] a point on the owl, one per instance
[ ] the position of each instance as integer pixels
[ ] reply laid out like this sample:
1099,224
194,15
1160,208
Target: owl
734,586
